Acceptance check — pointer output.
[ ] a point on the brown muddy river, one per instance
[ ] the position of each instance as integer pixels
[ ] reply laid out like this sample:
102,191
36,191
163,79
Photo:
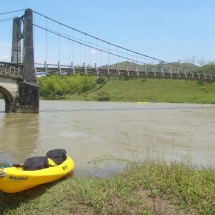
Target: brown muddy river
95,130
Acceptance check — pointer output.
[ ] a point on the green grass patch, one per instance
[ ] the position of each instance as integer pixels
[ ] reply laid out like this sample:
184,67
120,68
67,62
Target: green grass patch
151,90
149,188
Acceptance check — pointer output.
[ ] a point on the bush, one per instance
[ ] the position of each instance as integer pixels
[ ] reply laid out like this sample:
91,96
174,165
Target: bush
103,96
53,86
101,80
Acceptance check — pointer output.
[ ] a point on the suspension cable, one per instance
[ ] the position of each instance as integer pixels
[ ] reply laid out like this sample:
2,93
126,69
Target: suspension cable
96,45
153,58
85,51
80,53
107,52
101,39
73,54
59,45
69,52
12,11
6,20
46,40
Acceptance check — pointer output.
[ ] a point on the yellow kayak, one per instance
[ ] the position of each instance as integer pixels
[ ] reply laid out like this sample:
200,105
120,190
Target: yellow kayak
15,179
142,102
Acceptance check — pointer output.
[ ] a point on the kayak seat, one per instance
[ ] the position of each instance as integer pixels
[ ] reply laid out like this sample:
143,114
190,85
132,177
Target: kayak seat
57,155
36,163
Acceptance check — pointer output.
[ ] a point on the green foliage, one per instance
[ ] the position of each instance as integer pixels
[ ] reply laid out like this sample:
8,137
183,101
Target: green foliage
101,80
58,86
140,67
127,89
103,96
200,82
208,68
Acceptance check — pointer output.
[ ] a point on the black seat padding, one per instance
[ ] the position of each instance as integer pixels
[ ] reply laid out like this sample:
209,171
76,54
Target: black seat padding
36,163
57,155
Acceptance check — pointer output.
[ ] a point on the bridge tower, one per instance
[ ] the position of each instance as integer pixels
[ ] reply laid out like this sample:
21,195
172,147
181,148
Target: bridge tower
27,100
16,44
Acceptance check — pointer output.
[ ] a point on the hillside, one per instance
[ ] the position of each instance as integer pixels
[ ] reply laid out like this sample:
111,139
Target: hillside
166,67
150,90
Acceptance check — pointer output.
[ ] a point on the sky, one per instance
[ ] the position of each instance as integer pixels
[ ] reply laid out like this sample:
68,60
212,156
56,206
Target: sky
170,30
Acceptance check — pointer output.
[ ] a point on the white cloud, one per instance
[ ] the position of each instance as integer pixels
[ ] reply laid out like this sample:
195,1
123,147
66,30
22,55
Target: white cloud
4,57
93,52
5,50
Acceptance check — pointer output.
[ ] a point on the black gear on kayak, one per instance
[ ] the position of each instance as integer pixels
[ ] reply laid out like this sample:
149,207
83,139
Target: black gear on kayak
57,155
36,163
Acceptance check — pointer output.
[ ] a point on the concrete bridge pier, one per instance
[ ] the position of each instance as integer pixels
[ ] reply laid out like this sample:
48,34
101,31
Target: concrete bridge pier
27,99
9,91
19,97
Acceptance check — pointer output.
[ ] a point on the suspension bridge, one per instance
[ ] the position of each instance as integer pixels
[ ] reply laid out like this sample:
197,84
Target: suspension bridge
42,46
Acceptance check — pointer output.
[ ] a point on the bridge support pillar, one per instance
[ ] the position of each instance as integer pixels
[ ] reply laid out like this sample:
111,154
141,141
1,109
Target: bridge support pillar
28,49
16,44
28,99
7,108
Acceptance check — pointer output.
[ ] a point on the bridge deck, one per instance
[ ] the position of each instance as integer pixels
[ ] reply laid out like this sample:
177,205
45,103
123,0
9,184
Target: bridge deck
15,70
125,73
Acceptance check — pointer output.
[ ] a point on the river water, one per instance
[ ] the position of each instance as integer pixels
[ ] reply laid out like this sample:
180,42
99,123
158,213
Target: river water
101,130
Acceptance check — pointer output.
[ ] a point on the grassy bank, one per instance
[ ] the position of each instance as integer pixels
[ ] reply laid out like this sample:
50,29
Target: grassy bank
152,187
149,188
150,90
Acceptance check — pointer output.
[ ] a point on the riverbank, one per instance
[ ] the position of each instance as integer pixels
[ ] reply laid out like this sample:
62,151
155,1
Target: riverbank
149,188
149,90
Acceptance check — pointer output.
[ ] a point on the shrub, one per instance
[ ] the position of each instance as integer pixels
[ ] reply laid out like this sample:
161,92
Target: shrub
52,86
103,96
101,80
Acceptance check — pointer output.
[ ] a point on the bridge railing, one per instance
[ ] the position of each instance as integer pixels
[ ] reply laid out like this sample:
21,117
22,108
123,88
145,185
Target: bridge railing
152,72
13,70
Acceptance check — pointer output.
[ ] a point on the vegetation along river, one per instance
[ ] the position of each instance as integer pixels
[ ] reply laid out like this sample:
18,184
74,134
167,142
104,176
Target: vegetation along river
97,130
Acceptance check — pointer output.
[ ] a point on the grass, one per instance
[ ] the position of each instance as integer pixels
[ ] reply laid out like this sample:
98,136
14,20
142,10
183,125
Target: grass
153,187
151,90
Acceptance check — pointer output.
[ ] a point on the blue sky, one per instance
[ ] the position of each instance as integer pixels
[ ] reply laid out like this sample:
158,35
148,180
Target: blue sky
169,30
